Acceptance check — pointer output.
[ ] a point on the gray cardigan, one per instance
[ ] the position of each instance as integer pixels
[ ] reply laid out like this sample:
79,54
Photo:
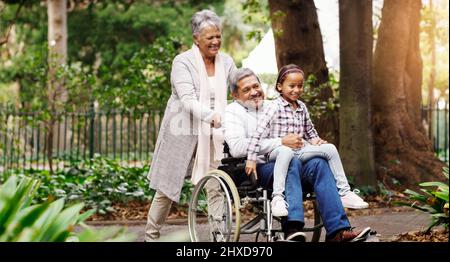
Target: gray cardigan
176,144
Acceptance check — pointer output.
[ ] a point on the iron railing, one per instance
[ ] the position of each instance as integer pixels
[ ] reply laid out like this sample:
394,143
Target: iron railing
25,139
129,137
436,123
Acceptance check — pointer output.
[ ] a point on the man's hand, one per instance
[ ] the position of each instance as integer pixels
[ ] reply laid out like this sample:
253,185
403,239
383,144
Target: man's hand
216,121
317,141
250,167
293,141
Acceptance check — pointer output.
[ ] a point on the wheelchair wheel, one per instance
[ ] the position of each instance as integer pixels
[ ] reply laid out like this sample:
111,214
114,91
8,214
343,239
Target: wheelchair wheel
214,209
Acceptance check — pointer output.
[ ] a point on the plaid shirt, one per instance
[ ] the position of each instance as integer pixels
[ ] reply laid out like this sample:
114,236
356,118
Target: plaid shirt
278,120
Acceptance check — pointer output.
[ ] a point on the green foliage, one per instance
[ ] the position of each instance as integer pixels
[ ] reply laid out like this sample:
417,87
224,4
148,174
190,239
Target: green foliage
119,52
256,14
47,222
138,84
317,107
186,192
98,183
432,200
30,72
142,82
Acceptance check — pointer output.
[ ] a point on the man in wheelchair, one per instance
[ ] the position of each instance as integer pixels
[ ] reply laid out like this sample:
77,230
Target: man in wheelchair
257,193
240,122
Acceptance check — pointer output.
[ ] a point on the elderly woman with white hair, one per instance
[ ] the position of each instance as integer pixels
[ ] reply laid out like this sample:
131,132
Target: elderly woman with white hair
190,140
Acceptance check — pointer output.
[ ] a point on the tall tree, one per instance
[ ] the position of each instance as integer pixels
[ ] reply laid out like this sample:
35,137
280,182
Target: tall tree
356,42
57,57
298,40
402,149
432,79
57,46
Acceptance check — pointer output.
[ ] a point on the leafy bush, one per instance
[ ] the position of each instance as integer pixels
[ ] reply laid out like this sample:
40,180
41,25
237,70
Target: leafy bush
317,107
433,201
140,82
98,183
110,45
47,222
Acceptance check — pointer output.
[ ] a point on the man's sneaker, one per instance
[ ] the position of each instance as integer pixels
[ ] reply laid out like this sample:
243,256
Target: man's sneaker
353,201
297,237
279,207
348,235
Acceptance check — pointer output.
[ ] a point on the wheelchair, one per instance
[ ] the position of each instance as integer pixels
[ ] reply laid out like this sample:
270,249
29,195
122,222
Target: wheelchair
214,213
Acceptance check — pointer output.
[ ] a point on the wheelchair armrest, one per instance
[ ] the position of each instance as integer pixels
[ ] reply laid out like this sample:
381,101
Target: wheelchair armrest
233,160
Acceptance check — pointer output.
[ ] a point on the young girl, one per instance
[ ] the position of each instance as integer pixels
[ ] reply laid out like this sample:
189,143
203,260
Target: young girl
288,115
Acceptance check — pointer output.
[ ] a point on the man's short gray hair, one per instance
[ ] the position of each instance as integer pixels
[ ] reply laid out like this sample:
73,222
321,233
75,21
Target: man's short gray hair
204,18
237,75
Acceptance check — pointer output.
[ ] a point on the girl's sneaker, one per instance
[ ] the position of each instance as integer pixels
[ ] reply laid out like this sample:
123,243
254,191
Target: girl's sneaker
279,207
353,201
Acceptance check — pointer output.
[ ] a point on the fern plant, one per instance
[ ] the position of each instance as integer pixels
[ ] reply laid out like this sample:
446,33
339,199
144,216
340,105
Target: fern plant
47,222
432,200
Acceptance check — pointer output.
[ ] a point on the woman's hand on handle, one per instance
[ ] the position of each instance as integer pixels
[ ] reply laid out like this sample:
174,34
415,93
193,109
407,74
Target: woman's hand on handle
216,121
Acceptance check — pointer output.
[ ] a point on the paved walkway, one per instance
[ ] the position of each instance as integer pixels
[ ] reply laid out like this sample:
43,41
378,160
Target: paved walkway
386,222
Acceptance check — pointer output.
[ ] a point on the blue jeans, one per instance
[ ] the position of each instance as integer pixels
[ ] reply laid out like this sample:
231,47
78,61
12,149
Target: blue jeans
314,174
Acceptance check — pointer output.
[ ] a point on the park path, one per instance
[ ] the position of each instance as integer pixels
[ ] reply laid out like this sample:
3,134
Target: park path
386,222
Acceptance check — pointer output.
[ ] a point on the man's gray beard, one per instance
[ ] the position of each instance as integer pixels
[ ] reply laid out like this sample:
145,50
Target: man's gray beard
251,105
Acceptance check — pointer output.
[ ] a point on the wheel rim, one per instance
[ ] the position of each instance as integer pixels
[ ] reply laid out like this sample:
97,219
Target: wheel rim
221,229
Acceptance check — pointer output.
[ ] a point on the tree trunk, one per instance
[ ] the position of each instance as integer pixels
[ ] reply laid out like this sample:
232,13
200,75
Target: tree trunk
298,40
57,46
57,56
356,41
432,80
402,150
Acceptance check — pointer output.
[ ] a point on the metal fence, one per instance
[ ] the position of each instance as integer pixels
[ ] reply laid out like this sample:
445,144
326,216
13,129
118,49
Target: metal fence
436,123
24,139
